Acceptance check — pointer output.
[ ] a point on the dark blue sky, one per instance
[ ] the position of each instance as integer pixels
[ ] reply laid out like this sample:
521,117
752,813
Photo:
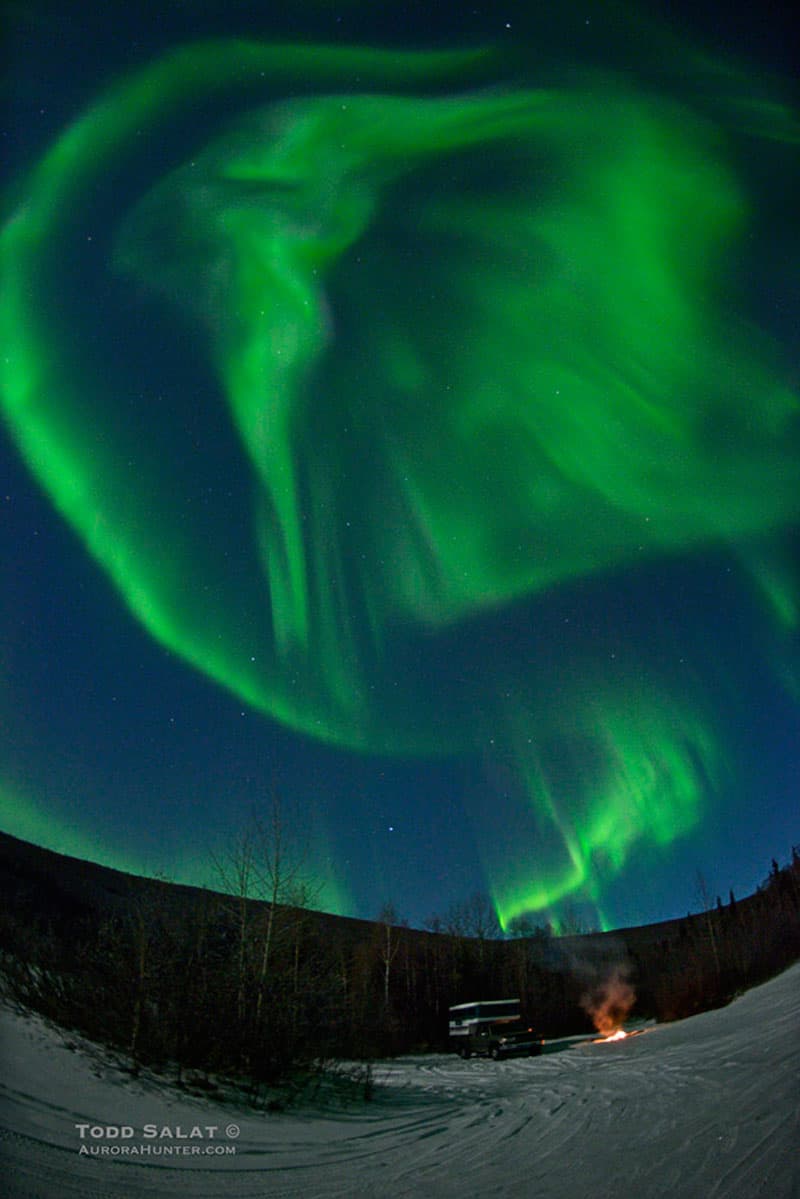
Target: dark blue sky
113,746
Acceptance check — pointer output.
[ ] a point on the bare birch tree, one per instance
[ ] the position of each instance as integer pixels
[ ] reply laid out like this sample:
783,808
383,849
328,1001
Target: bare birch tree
235,870
266,873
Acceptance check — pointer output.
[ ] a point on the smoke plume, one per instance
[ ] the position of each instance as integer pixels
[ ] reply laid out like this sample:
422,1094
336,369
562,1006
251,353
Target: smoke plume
609,1001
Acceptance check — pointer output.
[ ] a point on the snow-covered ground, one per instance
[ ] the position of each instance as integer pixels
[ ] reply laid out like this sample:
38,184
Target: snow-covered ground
704,1108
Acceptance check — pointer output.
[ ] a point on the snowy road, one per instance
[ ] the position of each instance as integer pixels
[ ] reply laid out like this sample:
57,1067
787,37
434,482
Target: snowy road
705,1108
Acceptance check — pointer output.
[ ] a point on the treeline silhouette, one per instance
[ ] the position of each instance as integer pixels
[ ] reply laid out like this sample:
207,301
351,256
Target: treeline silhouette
183,979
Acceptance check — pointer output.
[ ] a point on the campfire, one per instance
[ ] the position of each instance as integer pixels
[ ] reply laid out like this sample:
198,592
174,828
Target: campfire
619,1035
608,1003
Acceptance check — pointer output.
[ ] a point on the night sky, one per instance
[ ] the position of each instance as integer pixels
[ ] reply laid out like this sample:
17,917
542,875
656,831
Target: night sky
400,416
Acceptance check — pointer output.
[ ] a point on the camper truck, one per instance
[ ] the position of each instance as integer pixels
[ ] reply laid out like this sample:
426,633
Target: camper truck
491,1028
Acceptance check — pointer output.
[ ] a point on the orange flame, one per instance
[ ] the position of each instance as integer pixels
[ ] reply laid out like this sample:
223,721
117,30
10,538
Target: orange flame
619,1035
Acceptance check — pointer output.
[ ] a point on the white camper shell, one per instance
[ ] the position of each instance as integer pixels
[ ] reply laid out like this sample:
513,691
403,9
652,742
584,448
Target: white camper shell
467,1018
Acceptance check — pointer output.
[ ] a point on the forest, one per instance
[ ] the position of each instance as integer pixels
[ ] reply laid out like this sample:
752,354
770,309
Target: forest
252,983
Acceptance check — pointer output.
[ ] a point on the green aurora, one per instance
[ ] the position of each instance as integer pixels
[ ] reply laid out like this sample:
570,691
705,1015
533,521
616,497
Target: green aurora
479,343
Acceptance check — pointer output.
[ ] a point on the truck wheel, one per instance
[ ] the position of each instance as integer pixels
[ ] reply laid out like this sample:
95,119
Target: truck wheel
465,1053
495,1052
